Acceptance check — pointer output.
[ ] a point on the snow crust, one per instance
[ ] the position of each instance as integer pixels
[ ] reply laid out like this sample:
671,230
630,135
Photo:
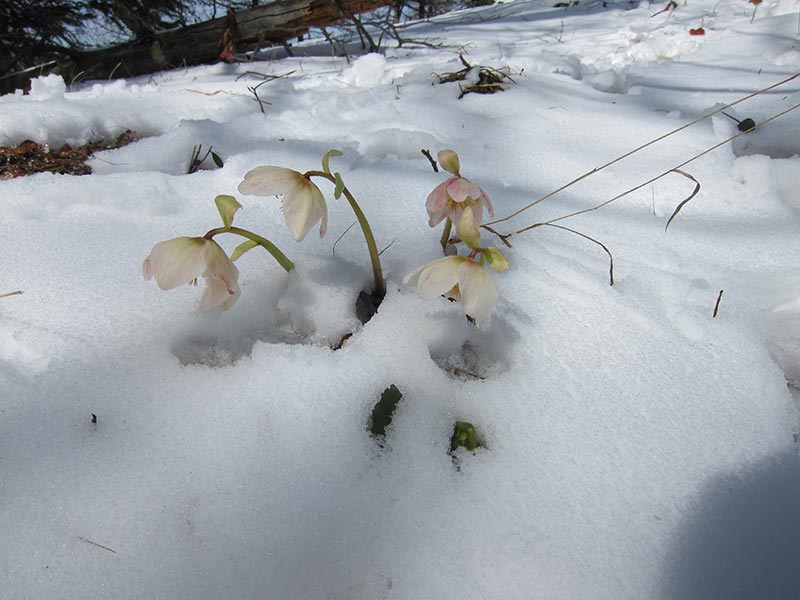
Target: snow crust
635,447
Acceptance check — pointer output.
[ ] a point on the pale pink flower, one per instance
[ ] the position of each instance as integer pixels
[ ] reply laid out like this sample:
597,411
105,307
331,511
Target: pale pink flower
454,196
459,278
303,203
181,260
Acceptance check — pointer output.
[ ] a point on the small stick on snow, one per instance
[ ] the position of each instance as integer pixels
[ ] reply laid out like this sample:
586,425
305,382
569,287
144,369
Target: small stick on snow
96,544
716,306
14,293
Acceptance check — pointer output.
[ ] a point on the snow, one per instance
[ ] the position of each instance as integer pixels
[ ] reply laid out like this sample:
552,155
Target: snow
635,447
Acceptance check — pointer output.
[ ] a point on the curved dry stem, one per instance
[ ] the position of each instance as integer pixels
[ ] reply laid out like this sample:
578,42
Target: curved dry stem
675,169
642,147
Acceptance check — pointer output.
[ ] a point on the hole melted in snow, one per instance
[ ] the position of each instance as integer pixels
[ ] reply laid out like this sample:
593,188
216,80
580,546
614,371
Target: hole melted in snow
316,305
469,354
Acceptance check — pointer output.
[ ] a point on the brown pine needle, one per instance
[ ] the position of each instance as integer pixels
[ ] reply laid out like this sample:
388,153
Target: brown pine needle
98,545
14,293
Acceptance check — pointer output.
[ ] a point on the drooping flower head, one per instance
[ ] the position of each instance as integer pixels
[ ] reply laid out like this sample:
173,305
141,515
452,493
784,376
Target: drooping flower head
454,197
303,203
459,278
181,260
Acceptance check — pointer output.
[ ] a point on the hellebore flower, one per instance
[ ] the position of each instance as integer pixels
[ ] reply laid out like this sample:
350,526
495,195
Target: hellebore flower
452,198
303,204
458,278
181,260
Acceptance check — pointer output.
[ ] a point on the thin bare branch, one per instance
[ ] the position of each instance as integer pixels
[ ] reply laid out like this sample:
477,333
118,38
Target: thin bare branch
427,154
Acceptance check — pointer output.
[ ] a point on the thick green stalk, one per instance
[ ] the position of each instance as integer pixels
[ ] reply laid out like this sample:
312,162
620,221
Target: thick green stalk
279,256
377,271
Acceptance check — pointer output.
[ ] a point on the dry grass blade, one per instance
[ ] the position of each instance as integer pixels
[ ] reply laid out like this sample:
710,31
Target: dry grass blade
645,145
591,239
682,204
14,293
674,169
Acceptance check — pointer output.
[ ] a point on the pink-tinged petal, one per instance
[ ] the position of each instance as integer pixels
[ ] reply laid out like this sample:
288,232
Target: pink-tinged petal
439,277
215,293
231,298
221,279
302,208
270,181
176,261
478,292
460,189
147,270
467,227
436,203
219,266
485,199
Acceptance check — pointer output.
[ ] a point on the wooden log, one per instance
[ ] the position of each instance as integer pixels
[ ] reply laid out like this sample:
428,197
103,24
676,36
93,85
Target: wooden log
202,43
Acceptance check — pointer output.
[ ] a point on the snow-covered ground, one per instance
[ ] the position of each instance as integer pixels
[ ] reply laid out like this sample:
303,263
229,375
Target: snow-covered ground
635,447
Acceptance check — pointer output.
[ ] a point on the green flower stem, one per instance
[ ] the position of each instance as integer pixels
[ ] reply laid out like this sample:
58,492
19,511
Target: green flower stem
448,227
377,271
261,241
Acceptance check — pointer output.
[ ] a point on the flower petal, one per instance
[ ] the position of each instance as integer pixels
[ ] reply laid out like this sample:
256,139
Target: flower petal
221,279
478,291
215,292
302,208
436,203
439,277
460,189
175,262
485,199
270,181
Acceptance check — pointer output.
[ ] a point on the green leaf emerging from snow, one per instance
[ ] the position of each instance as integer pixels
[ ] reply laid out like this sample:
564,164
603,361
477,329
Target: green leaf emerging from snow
384,411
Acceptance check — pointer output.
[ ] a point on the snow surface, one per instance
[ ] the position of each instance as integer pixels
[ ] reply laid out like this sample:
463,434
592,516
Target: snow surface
636,447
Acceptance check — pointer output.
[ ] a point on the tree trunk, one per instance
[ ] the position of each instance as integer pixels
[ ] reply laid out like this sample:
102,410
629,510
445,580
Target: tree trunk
202,43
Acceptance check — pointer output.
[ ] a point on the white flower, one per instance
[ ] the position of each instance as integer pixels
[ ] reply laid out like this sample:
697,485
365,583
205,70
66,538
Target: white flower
303,202
459,278
181,260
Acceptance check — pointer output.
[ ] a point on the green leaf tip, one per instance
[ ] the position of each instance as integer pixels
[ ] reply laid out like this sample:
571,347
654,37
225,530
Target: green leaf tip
383,412
242,248
464,436
227,207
